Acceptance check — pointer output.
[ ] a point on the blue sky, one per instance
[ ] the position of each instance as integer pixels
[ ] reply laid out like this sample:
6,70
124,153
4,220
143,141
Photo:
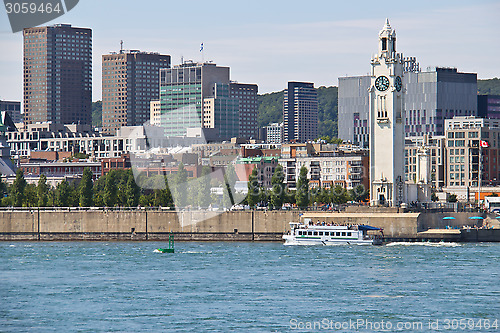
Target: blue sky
272,42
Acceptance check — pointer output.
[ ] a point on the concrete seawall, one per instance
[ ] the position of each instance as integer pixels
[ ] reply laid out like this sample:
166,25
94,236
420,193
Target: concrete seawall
143,225
98,224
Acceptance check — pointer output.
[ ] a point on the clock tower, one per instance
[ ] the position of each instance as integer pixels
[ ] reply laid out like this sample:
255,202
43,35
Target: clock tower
386,123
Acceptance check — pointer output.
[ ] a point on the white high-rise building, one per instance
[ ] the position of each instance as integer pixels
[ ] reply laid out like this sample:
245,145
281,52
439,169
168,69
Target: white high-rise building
387,123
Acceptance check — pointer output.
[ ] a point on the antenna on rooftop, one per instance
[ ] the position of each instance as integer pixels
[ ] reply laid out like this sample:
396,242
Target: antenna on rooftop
121,46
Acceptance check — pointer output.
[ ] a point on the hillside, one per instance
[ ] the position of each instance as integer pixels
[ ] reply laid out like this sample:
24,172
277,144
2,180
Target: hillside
488,87
97,114
270,109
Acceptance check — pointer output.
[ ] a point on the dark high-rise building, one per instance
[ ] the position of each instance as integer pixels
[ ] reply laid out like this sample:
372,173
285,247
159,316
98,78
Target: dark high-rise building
247,96
488,106
58,74
300,112
13,108
130,81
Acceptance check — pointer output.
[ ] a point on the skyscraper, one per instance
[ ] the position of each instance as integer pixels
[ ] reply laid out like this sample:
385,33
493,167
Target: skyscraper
130,81
221,112
183,89
247,97
57,74
300,112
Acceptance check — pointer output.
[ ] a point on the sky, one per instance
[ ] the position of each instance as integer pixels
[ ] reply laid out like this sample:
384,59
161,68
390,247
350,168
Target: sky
272,42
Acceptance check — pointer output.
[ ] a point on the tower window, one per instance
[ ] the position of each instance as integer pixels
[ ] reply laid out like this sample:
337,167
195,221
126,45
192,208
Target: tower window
384,44
394,45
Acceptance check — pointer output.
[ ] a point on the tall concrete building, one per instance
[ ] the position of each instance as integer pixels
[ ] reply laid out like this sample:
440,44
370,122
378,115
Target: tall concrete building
247,97
182,91
300,112
386,100
130,81
57,74
431,97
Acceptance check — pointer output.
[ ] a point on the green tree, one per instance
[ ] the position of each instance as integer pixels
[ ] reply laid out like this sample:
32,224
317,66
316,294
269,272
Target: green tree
85,189
110,189
42,191
204,193
452,198
302,192
17,189
229,181
434,197
132,191
339,195
3,187
321,195
63,193
278,188
359,193
98,190
180,186
253,195
489,86
97,113
30,196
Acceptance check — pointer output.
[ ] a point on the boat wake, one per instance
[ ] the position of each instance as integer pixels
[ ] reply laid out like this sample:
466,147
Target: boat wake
439,244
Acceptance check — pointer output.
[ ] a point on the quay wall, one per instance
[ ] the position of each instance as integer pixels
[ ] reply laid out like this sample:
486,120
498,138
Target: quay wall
99,224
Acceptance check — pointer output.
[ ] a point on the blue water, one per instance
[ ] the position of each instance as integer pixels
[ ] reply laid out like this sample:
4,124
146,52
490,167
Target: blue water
259,287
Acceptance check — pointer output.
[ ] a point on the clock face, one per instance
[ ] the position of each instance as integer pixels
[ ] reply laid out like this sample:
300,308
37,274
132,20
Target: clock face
398,84
382,83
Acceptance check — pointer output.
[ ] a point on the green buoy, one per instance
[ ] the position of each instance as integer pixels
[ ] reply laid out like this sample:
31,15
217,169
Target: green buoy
170,248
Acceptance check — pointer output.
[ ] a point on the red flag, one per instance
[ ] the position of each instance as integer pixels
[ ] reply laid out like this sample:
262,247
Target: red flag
484,144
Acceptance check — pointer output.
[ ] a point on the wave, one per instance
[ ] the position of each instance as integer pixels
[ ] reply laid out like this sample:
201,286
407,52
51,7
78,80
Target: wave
439,244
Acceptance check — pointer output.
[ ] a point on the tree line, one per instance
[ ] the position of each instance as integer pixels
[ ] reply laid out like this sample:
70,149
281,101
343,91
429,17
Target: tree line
303,196
119,188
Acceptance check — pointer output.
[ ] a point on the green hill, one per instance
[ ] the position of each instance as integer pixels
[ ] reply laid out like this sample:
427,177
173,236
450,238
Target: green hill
97,114
488,87
270,109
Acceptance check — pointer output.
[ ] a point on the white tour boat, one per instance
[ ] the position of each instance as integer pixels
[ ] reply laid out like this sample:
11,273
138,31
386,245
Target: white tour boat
312,234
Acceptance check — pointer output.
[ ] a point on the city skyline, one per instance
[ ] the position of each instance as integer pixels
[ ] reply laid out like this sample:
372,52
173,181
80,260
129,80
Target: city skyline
273,44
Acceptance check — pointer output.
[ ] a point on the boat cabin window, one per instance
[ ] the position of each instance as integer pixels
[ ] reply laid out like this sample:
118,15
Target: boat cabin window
327,233
348,234
309,233
315,233
321,233
343,234
300,232
338,234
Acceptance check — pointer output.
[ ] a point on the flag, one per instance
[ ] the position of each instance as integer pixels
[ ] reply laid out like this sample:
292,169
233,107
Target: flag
484,144
201,47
